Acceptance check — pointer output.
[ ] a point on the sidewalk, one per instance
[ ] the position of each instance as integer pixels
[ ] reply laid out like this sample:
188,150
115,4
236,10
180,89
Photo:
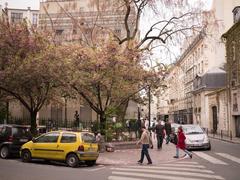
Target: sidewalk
131,156
234,140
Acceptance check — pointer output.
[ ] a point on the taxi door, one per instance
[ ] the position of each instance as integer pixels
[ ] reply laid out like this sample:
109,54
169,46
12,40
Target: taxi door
46,146
67,143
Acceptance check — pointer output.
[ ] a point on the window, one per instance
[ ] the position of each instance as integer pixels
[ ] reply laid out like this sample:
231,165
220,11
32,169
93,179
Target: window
34,19
48,138
88,138
68,138
234,51
17,131
59,32
16,17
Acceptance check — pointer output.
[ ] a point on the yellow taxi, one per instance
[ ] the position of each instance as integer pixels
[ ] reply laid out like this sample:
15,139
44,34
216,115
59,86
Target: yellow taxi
71,147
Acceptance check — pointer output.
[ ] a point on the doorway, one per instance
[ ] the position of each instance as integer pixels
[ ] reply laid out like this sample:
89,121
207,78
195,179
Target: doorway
215,120
237,122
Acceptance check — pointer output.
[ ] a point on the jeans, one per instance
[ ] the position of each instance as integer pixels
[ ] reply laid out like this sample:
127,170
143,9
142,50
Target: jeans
168,138
159,141
186,151
145,152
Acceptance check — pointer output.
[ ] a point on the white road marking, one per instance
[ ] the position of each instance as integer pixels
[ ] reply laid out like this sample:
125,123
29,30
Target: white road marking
230,157
99,167
173,168
186,162
123,178
156,176
183,165
178,173
210,158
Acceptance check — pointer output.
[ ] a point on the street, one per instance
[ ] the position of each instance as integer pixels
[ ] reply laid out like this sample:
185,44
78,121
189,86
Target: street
222,162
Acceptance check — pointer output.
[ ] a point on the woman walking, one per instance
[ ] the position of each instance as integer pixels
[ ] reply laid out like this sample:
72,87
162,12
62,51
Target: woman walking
181,143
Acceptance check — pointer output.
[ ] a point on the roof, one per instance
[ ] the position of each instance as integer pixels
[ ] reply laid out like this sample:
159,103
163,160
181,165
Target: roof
215,70
225,35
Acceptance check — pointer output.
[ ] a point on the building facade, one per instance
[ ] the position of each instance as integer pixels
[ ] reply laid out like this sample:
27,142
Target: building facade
83,20
18,15
232,39
202,54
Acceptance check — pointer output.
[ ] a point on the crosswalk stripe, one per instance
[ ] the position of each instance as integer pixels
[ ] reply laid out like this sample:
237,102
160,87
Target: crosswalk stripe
186,162
210,158
156,176
173,168
123,178
230,157
179,173
183,165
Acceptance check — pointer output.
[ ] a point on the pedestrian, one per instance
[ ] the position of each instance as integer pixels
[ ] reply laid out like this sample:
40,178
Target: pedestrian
181,143
159,131
77,119
146,142
168,130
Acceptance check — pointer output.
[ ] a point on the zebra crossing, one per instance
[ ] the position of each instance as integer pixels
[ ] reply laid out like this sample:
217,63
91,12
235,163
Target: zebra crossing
216,160
166,171
180,170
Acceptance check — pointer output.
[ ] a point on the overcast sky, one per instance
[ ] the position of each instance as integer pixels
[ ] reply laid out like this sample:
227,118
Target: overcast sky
21,4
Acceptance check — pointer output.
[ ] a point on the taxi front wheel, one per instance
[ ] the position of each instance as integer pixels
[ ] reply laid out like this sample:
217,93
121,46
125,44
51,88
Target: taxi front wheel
26,156
72,160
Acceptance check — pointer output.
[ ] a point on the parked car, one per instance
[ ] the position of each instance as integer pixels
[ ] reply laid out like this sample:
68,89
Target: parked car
71,147
12,137
196,138
173,135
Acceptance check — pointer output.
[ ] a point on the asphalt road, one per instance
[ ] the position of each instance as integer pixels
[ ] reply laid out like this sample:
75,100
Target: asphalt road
205,165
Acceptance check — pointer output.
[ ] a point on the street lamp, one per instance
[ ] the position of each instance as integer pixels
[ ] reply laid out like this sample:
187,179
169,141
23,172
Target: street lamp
149,106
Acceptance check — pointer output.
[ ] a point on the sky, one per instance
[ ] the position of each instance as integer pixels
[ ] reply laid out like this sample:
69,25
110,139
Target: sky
21,4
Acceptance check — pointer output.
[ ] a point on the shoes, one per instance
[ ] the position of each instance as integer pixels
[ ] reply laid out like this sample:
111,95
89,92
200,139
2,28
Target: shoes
149,163
190,156
176,157
139,162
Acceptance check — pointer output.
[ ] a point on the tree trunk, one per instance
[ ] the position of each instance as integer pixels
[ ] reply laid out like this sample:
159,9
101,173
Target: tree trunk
103,123
33,128
122,112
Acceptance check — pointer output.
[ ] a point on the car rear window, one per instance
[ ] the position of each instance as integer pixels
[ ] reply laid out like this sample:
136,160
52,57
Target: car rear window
192,130
17,131
68,138
88,138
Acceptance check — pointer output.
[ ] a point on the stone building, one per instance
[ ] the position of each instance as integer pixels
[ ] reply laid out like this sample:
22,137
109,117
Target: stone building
18,15
83,20
232,39
202,54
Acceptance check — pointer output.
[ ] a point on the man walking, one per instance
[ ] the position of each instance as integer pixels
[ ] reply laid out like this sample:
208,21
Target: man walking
168,130
159,130
146,142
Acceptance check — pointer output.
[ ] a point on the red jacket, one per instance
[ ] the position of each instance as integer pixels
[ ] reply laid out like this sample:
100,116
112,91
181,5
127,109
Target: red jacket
181,140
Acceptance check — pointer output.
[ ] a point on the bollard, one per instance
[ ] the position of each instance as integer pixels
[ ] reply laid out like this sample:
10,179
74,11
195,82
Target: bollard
221,134
230,135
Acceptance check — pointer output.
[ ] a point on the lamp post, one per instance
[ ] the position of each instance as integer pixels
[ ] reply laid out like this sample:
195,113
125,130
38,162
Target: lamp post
149,106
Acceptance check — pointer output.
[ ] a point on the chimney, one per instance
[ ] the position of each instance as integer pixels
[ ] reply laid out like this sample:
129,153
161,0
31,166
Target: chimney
236,14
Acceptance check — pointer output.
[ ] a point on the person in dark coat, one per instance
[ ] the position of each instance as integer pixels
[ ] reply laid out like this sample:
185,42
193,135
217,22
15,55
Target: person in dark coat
168,130
159,130
181,143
